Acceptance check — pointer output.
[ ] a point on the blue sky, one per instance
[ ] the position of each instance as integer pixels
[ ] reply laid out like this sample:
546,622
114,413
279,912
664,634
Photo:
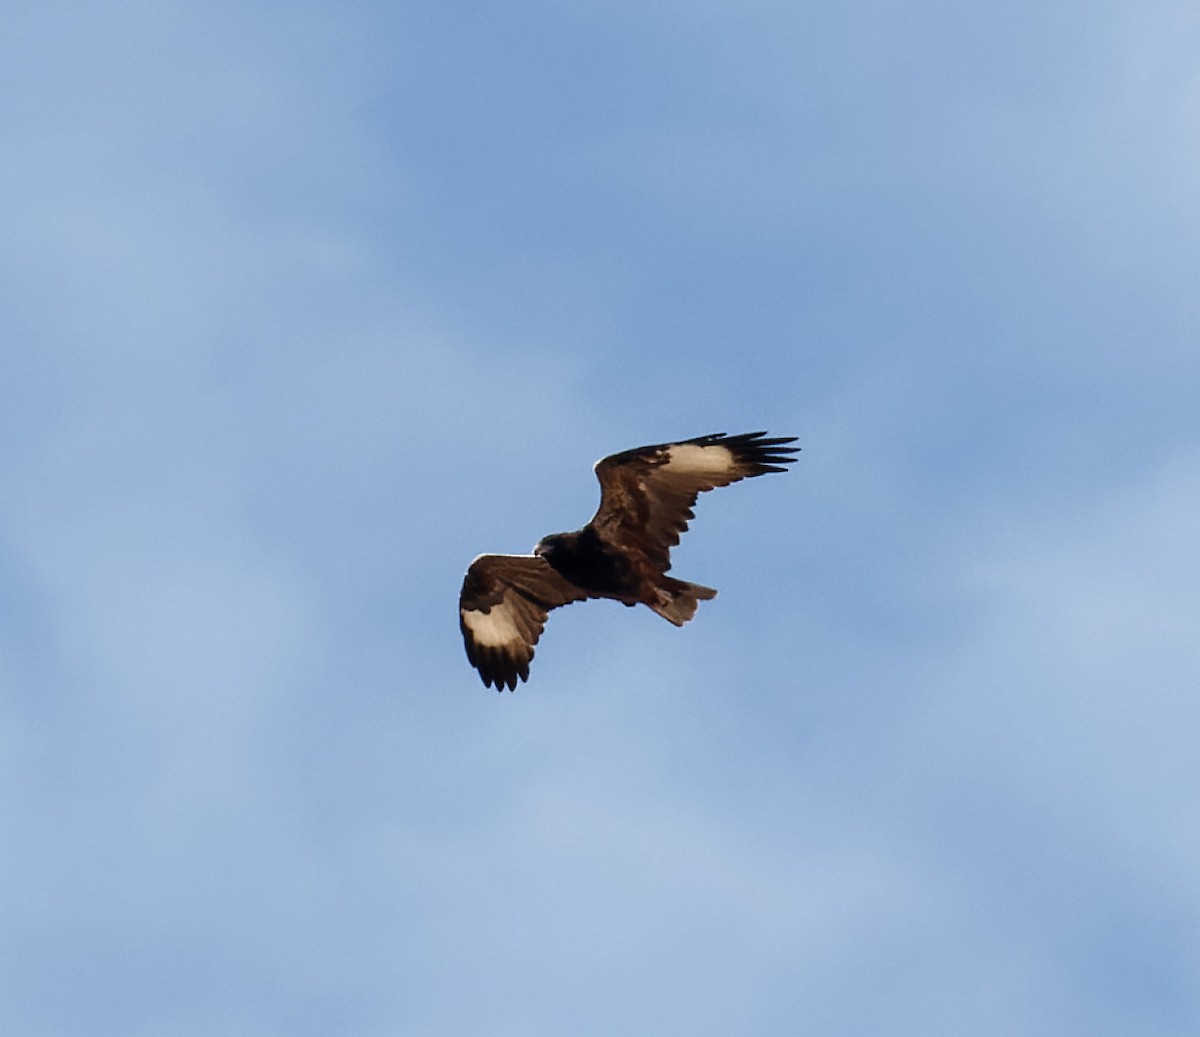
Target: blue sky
306,305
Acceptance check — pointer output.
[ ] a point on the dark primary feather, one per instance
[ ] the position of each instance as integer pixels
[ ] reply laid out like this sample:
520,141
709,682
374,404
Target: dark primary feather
646,501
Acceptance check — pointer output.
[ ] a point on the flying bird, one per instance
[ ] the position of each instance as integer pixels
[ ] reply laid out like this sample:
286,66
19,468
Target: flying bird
646,500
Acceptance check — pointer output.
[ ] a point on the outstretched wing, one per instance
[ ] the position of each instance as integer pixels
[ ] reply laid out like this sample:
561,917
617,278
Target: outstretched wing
647,494
501,612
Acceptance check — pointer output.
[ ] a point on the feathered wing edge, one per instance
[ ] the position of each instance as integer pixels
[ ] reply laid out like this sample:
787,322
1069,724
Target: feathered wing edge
754,452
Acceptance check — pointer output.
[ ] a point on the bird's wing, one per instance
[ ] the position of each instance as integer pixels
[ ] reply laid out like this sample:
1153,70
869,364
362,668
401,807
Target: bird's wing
647,494
502,609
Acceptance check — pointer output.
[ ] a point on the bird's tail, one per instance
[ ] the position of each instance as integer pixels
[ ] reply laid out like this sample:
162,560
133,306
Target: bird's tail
677,601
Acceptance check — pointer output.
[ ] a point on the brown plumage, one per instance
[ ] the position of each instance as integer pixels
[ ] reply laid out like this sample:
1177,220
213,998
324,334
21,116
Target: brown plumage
646,501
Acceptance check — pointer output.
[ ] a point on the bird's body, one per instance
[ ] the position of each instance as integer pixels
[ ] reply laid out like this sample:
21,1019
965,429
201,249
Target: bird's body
647,495
582,558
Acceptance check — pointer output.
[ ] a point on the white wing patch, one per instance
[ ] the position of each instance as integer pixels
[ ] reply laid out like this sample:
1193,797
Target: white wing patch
492,629
700,460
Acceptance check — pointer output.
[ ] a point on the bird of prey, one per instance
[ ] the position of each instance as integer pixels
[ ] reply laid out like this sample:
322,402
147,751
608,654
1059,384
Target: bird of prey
646,500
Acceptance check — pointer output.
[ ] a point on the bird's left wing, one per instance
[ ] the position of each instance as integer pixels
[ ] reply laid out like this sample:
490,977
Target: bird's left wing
647,494
502,609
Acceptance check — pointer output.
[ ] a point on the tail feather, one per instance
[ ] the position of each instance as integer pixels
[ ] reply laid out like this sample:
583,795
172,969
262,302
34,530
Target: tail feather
676,601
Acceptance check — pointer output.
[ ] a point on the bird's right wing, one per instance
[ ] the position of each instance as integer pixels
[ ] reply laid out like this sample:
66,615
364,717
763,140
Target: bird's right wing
502,609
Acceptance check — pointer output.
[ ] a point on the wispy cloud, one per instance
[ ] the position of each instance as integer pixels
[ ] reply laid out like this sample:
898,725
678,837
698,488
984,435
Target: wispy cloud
306,309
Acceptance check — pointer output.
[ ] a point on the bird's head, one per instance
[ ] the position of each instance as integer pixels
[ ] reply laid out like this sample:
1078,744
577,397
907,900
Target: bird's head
549,545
